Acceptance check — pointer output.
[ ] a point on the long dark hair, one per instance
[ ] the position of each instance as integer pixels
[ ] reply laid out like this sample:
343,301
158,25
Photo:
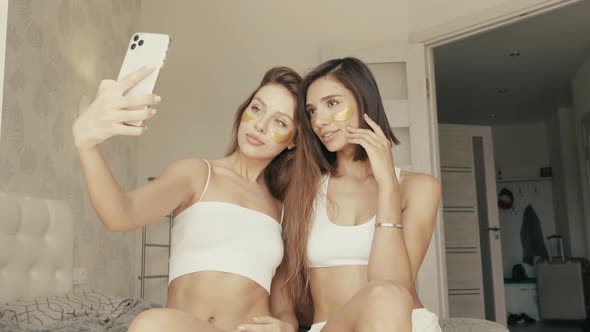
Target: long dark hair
313,160
276,174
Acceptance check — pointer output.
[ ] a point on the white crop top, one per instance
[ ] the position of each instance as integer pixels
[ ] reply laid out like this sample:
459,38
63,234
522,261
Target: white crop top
330,244
225,237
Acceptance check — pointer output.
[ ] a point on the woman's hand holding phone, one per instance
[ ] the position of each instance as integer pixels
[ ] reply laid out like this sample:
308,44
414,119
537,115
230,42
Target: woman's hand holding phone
112,109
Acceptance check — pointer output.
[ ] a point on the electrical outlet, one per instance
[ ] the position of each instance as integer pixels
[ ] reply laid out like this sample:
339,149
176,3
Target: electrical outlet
79,276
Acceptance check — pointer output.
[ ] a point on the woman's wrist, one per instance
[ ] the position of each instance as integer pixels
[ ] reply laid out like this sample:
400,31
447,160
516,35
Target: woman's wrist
83,146
389,187
389,183
84,149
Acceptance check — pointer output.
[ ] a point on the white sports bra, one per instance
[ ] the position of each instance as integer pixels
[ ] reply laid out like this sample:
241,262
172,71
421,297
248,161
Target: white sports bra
225,237
330,244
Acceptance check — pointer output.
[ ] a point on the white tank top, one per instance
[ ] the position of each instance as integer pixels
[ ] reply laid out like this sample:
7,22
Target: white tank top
225,237
330,244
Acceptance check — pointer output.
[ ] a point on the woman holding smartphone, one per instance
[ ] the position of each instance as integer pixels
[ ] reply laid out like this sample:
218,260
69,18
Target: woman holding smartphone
226,239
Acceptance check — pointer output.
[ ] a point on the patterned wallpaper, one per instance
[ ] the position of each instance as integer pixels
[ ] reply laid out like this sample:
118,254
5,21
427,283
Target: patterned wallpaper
56,52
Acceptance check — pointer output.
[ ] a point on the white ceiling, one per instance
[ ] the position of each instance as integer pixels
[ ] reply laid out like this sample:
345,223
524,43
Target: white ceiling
470,72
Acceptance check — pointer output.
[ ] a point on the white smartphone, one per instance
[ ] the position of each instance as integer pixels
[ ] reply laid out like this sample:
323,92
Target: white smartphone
144,49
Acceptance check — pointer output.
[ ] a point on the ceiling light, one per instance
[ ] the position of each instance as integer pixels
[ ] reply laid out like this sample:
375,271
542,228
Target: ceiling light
515,54
492,115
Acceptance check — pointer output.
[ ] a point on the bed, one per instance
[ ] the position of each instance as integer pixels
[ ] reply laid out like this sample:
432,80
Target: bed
36,290
36,257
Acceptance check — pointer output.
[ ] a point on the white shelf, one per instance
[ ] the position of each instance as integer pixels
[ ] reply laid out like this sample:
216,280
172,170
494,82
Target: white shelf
524,179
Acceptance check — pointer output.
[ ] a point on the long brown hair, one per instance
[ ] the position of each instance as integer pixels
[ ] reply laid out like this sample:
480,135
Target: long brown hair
276,174
313,160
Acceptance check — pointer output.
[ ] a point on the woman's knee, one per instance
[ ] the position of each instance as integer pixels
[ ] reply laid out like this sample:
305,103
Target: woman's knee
385,294
149,321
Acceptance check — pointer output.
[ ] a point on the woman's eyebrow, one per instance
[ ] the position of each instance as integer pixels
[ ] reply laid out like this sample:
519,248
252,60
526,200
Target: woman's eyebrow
285,115
330,97
260,101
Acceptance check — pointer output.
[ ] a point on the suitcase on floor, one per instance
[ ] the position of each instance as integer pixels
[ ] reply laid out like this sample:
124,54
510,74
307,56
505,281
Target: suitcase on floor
563,286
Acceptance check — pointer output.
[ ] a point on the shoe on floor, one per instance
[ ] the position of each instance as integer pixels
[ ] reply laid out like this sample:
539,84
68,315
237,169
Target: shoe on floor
513,319
527,319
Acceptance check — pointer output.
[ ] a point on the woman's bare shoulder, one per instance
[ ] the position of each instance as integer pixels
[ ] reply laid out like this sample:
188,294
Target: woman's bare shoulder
421,194
193,167
419,183
190,173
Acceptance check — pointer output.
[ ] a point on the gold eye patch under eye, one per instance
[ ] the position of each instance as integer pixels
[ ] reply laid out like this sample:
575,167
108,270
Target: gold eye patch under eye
343,115
246,117
281,138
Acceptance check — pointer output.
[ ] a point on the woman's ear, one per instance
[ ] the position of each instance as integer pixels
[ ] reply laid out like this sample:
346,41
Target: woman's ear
291,146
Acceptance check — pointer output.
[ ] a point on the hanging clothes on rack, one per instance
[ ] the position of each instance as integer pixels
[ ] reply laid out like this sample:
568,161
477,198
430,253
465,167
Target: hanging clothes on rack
531,237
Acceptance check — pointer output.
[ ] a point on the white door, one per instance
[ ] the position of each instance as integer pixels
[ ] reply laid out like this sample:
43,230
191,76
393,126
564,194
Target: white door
400,73
472,233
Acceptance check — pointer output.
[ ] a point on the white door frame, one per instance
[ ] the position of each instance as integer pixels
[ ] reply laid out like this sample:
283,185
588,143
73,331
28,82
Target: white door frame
462,28
488,19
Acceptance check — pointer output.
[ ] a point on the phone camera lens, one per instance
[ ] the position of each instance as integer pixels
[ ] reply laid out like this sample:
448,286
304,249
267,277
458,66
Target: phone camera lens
135,38
140,42
133,46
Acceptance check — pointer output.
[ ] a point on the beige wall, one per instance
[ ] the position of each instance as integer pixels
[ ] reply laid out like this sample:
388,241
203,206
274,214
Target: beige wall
221,49
57,51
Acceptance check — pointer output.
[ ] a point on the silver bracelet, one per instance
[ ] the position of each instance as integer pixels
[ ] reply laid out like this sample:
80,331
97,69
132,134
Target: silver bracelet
388,224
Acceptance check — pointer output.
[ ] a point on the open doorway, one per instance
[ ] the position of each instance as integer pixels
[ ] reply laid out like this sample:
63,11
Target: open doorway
509,130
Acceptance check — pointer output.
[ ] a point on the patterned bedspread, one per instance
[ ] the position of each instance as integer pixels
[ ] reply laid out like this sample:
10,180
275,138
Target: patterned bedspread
93,311
81,310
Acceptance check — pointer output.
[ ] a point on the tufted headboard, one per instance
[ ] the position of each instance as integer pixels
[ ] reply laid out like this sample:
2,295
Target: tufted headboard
36,247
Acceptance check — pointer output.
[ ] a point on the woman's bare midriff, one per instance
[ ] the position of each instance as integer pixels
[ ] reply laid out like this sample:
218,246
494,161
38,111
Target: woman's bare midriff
225,300
333,287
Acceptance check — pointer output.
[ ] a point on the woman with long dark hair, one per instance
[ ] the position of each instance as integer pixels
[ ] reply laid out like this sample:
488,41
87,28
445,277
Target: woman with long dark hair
356,227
